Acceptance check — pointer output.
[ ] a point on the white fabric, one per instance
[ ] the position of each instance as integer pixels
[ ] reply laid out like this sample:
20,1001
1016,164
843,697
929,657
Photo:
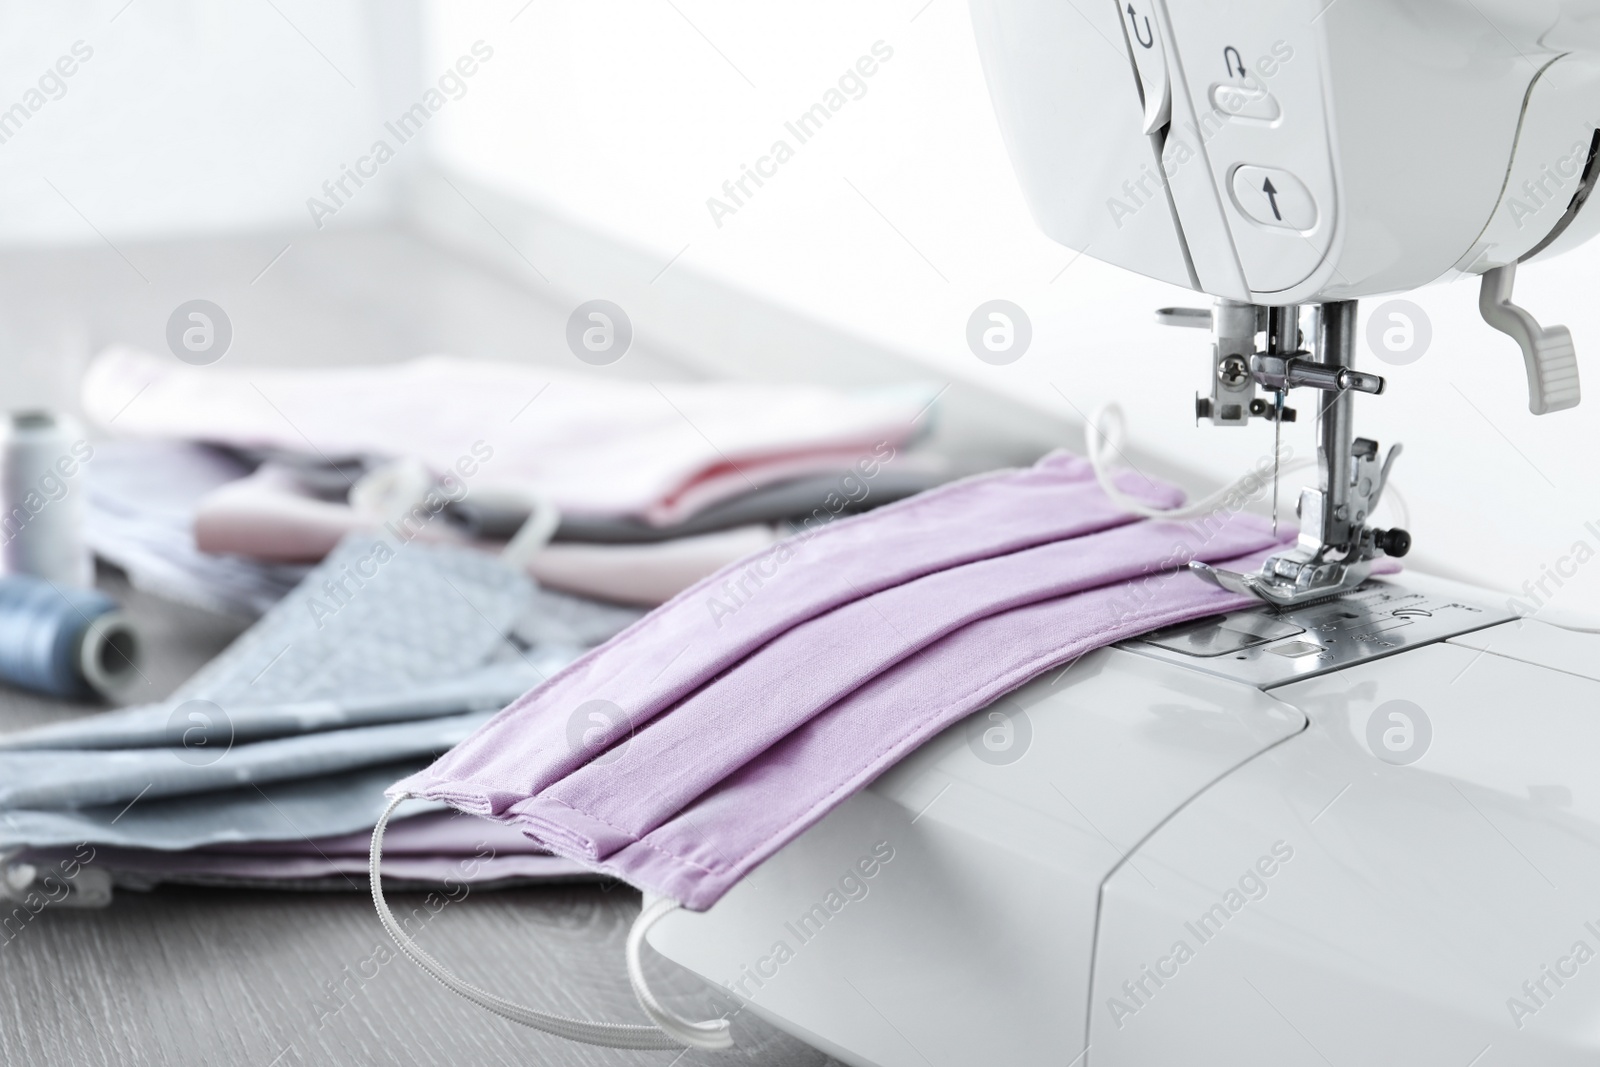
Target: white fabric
593,444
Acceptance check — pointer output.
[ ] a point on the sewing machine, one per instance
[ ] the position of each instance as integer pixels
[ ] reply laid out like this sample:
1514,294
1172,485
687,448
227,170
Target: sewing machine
1358,823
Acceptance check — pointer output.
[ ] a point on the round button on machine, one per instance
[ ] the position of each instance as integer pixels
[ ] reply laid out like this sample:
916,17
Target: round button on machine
1273,197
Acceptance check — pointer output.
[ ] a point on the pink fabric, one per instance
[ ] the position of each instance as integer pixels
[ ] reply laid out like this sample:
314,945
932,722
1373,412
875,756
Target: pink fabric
726,480
704,850
435,847
595,444
603,807
644,575
709,627
268,516
157,866
750,705
433,833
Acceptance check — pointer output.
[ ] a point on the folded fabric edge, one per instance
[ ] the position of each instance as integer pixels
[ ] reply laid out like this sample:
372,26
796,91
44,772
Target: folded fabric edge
697,887
138,869
1074,467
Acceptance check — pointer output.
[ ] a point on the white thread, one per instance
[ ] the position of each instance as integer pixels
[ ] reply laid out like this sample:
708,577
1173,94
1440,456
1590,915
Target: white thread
607,1035
41,496
1396,503
1105,438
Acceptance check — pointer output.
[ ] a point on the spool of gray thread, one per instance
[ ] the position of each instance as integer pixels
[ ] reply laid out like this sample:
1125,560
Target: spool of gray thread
70,643
58,635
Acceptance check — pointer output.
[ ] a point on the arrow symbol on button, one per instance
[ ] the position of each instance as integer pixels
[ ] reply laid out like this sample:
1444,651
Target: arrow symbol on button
1272,198
1133,18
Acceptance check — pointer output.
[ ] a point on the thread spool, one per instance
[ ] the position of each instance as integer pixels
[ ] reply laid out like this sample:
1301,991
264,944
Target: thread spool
41,526
70,643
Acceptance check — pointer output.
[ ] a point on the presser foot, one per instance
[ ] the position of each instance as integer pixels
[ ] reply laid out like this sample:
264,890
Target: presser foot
1284,581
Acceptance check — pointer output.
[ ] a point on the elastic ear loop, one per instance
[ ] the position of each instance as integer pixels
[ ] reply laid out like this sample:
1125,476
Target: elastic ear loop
711,1034
390,492
534,533
608,1035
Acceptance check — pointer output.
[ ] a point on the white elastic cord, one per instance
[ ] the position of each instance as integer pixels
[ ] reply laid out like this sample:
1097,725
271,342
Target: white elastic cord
1105,444
711,1034
534,533
608,1035
390,492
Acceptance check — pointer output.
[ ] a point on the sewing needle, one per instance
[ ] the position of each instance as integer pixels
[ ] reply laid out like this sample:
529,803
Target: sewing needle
1277,452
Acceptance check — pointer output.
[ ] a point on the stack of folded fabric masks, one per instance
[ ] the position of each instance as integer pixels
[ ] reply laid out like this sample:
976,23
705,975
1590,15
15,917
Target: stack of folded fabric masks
367,512
656,486
268,766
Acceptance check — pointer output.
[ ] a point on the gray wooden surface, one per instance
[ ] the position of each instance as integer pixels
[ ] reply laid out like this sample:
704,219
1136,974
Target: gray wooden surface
228,977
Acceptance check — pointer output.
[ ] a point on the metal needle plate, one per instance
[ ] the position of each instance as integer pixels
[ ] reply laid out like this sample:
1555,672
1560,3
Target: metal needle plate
1264,647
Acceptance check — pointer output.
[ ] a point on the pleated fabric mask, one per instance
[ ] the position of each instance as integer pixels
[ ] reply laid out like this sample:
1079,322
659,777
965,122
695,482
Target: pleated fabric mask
714,731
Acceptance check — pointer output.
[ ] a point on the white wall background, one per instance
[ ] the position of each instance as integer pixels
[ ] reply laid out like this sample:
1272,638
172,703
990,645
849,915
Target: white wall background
194,117
902,216
892,224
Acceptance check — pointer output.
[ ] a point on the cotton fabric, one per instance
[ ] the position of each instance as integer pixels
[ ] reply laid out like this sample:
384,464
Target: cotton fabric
743,710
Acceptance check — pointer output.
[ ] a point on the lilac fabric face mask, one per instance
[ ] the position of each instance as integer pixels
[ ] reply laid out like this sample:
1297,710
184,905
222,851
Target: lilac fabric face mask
717,729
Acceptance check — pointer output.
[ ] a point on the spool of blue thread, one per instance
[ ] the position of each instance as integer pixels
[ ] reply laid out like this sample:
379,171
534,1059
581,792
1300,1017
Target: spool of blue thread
71,643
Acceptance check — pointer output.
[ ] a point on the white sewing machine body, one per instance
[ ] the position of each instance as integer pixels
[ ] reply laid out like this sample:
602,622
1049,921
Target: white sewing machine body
1213,851
1359,825
1403,143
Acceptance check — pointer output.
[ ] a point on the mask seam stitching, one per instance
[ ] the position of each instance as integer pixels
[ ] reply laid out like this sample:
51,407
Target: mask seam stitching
1030,670
911,505
633,839
1036,666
